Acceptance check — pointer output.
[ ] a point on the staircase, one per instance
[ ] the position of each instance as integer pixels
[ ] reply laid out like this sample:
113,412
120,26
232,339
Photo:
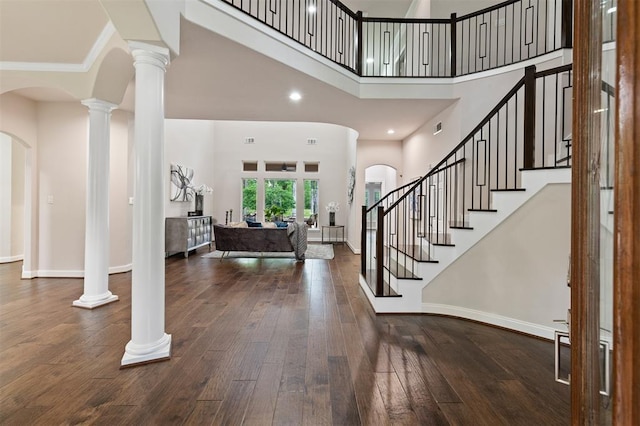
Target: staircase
508,159
413,268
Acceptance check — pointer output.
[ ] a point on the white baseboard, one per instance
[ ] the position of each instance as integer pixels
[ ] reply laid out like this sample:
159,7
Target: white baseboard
46,273
120,269
490,318
354,250
61,273
10,259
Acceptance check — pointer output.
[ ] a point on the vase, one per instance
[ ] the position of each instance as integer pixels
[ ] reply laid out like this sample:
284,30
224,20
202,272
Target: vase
332,218
199,204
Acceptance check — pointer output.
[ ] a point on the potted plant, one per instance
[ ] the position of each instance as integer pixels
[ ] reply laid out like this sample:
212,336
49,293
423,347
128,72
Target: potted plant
273,213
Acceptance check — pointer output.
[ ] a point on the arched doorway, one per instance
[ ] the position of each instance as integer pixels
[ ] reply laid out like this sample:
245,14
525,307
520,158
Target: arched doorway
379,179
15,200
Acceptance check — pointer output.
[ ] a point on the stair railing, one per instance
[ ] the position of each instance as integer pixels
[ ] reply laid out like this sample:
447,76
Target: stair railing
507,33
529,128
370,221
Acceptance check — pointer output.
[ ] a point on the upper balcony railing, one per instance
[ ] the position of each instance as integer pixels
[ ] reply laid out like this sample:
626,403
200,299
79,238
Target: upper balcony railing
507,33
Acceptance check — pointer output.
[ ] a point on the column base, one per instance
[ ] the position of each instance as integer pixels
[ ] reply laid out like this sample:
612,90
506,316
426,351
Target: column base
87,303
133,356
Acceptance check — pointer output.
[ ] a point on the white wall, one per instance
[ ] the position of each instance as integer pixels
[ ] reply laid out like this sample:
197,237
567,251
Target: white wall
190,143
62,174
477,95
419,9
444,8
216,151
62,155
354,219
518,272
18,158
281,142
384,174
120,179
5,197
18,118
423,150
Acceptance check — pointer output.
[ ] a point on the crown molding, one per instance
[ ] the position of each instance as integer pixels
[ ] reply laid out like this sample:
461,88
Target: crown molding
89,60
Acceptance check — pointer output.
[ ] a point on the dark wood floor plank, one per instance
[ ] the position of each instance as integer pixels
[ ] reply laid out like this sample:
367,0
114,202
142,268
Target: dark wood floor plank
252,361
262,405
235,403
344,408
370,404
395,399
203,413
263,341
289,409
317,398
293,372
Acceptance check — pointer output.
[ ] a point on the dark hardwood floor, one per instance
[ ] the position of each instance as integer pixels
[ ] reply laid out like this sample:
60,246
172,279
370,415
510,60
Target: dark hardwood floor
261,342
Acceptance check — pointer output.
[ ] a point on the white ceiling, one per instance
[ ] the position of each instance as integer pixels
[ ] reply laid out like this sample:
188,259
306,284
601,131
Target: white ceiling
49,31
213,77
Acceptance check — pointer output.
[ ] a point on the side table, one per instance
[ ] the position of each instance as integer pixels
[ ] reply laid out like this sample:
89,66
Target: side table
336,230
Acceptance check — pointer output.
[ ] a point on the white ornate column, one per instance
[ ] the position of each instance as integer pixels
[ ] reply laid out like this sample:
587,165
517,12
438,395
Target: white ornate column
149,342
96,246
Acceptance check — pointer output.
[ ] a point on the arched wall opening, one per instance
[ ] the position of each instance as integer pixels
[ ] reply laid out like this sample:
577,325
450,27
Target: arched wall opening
15,200
379,179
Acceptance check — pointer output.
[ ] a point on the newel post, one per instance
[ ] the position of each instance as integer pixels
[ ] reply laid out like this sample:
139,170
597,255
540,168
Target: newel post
528,160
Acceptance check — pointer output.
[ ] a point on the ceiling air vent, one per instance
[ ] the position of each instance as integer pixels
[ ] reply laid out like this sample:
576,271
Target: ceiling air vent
312,141
250,141
437,128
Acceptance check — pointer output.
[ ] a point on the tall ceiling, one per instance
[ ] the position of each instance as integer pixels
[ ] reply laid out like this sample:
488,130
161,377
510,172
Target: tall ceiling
213,77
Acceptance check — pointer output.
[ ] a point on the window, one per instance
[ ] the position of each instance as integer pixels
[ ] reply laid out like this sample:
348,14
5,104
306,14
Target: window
311,167
249,204
280,199
311,200
280,167
250,166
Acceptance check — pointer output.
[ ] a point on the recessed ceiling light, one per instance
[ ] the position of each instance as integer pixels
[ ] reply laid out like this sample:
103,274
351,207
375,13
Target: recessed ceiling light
295,96
369,60
390,131
311,9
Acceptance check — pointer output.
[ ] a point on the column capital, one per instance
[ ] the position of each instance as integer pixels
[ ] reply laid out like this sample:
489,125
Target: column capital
149,54
99,105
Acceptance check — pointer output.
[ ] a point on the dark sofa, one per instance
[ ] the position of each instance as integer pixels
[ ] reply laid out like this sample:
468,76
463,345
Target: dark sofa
290,239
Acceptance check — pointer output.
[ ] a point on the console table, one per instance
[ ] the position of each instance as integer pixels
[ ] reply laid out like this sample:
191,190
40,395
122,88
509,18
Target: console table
182,234
338,234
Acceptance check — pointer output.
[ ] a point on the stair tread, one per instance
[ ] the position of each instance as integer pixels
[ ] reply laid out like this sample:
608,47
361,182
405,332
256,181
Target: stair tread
457,224
523,169
400,271
509,190
439,238
416,252
483,210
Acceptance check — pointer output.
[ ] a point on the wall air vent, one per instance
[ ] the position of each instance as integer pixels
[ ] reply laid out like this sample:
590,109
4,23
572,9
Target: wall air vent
312,141
437,128
250,141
